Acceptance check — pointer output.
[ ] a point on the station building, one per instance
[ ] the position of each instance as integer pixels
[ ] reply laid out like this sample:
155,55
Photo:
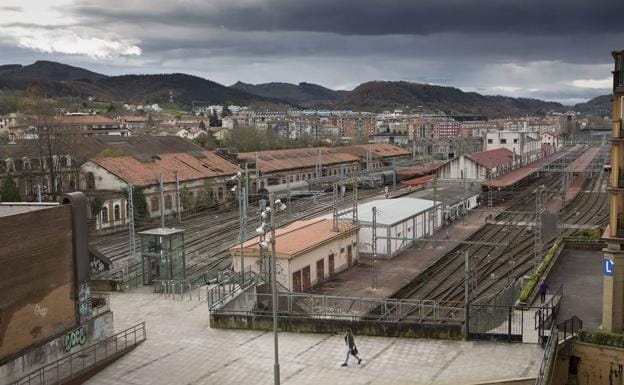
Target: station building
479,165
405,218
308,252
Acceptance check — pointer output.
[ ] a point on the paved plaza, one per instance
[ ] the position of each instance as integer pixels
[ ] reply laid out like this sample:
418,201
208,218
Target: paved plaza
182,349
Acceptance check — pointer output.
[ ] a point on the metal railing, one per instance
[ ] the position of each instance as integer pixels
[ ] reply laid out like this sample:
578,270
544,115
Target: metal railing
83,360
570,326
301,305
548,360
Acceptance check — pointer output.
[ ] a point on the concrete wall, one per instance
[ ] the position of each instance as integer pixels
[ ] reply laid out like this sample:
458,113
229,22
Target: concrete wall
314,325
37,282
454,169
597,365
34,358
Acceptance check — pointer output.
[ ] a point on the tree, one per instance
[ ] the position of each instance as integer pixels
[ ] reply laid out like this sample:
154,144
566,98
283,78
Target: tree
214,119
202,125
225,112
9,192
204,198
139,203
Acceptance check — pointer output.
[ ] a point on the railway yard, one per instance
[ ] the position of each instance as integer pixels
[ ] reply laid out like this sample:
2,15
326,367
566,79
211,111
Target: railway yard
502,250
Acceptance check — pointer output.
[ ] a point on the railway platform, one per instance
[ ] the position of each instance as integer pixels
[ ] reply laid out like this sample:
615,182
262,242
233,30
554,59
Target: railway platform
393,274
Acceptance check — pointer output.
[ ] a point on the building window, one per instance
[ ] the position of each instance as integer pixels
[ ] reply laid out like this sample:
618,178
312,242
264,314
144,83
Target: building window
515,140
116,213
104,214
155,204
168,202
490,141
503,141
90,181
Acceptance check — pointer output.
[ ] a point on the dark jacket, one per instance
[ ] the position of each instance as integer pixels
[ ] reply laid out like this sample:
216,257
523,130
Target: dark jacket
543,287
349,341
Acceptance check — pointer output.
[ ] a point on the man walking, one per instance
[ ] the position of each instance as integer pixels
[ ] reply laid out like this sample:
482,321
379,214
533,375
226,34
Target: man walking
543,288
351,348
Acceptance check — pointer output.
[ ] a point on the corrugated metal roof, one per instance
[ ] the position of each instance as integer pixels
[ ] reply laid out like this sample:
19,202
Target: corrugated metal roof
419,181
391,211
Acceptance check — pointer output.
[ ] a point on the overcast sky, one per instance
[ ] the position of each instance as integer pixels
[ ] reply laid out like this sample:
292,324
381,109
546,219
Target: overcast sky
547,49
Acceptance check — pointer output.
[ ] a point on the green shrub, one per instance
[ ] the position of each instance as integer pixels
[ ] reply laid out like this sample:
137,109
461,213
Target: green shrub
534,278
601,338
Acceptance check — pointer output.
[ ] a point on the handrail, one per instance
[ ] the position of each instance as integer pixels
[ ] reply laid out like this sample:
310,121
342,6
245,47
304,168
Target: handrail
77,363
545,369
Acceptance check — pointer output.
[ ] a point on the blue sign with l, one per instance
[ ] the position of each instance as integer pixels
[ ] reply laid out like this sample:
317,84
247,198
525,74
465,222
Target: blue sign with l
608,267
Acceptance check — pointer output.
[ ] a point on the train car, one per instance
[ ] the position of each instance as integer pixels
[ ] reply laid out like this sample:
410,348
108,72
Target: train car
284,190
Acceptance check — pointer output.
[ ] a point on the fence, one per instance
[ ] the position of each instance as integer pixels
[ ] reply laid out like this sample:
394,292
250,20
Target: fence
83,360
301,305
570,326
550,350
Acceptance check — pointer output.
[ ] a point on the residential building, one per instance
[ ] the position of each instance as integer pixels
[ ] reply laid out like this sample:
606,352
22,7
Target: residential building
91,125
550,139
447,129
524,144
308,252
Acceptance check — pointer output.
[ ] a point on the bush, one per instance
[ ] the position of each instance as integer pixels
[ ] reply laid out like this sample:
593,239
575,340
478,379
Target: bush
601,338
534,278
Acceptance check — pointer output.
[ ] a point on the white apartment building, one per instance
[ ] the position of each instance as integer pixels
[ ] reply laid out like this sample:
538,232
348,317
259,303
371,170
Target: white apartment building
524,144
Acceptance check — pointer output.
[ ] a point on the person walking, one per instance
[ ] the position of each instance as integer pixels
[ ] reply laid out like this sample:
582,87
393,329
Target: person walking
351,348
543,289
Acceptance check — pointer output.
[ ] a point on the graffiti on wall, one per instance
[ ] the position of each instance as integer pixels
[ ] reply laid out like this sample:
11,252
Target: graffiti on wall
41,311
84,302
75,338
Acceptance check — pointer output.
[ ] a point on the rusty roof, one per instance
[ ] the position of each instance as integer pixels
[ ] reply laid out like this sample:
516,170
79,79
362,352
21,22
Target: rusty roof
378,150
420,170
517,175
492,158
276,160
84,119
204,164
419,181
301,236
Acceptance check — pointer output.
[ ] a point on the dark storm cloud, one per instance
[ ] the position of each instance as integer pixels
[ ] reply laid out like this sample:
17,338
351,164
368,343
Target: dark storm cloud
379,17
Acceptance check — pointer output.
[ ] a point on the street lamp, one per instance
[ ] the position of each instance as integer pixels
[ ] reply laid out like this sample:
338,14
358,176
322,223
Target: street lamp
267,217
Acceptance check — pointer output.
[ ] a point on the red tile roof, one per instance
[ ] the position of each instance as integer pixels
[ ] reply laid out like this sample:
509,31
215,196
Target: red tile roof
189,167
378,150
301,236
492,158
276,160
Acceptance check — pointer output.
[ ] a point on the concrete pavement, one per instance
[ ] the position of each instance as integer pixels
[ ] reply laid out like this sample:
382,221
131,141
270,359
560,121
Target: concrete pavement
182,349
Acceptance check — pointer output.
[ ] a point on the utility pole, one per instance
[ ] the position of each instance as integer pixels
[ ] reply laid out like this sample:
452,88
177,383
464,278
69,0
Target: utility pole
130,216
288,196
335,209
354,214
393,173
539,210
374,247
178,205
162,203
465,198
242,212
39,193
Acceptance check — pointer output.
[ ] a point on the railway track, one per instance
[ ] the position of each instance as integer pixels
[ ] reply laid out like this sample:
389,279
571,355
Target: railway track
494,267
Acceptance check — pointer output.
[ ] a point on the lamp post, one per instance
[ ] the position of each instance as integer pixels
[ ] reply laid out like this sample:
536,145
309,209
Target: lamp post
268,215
242,219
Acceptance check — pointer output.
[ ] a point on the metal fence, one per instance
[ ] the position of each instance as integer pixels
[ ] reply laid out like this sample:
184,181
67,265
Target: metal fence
302,305
81,361
570,326
550,350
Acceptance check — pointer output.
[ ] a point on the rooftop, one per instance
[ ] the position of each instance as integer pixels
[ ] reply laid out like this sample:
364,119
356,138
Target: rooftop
200,165
378,150
391,211
161,231
301,236
276,160
492,158
14,208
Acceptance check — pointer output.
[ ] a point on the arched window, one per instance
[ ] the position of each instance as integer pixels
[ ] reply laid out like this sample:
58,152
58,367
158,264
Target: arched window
104,214
90,181
116,213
